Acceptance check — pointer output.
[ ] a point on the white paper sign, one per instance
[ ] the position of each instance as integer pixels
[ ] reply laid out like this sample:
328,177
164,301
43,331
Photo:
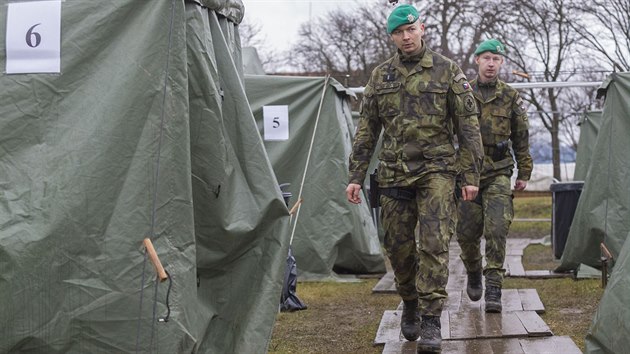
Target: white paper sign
276,122
34,37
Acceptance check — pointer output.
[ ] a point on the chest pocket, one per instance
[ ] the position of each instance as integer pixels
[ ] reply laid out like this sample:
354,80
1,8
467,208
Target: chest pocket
427,98
388,98
500,125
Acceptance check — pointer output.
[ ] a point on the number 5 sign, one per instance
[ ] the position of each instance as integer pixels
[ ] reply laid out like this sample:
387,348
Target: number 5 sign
34,37
276,122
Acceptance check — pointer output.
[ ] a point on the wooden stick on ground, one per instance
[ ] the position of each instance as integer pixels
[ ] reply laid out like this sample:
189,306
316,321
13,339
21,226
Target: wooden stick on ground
159,269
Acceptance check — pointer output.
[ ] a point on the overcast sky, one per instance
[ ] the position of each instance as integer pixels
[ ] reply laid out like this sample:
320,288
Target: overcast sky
280,19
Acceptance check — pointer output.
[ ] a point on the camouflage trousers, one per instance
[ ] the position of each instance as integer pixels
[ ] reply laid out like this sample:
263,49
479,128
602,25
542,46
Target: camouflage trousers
421,264
491,220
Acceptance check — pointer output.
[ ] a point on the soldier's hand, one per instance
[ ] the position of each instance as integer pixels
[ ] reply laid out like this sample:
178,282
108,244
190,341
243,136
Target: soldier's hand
469,192
352,193
520,185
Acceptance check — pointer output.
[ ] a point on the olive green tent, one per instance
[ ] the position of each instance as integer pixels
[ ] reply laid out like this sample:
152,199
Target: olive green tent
330,234
144,132
611,324
602,210
589,127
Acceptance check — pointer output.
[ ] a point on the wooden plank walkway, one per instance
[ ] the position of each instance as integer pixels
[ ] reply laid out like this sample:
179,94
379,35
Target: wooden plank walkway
466,327
555,344
513,266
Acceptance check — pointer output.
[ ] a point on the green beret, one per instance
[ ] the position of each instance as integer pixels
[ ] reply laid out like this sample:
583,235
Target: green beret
491,45
402,15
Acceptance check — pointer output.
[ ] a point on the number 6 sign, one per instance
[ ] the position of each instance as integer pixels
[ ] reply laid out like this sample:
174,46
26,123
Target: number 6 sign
34,37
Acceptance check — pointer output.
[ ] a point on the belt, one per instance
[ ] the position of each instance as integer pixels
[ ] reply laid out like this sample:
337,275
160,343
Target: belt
401,193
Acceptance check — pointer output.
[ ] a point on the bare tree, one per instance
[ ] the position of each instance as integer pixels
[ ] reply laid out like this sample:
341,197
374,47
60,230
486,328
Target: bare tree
604,25
355,41
251,37
542,43
344,42
454,28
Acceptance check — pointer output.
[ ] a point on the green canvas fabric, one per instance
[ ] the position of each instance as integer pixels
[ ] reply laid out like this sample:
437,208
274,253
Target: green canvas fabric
612,319
330,233
589,127
145,133
601,214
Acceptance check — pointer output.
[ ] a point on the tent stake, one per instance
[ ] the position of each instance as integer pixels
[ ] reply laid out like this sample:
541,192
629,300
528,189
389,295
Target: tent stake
606,257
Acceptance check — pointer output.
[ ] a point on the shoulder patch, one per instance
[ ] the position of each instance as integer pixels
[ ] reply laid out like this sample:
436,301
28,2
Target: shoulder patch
469,103
459,77
519,107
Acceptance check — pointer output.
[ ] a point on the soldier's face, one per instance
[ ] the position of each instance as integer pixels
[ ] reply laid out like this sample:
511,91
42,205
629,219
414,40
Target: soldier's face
489,65
408,38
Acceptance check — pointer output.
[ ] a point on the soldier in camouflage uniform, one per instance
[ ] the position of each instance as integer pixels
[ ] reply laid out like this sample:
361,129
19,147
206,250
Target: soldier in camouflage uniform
417,99
503,123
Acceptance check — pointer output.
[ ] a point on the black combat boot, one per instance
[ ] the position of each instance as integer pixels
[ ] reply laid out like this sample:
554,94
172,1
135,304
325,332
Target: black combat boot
493,298
430,335
410,320
473,286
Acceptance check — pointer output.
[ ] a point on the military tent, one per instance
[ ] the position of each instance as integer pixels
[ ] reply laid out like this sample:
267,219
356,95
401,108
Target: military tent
329,233
589,127
611,324
602,210
137,126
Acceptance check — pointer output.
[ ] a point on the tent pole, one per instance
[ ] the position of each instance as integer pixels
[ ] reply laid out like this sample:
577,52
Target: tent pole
308,158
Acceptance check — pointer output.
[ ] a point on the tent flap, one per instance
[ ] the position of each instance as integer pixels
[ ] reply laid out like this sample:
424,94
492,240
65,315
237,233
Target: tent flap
145,133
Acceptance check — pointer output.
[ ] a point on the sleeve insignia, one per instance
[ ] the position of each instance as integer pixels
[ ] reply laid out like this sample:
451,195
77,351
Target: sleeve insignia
469,103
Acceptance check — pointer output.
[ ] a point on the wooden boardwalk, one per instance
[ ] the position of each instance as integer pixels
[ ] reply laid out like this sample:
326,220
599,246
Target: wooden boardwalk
513,266
467,328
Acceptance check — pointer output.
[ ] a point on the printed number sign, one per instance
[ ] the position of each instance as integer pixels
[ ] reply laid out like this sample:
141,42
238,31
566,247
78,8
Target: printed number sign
33,43
276,122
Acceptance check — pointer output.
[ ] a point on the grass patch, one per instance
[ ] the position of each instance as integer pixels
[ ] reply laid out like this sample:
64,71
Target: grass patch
569,304
539,257
531,208
341,318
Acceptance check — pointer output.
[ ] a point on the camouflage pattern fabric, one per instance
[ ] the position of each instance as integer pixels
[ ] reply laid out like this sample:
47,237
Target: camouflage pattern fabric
503,118
417,106
491,219
421,268
418,101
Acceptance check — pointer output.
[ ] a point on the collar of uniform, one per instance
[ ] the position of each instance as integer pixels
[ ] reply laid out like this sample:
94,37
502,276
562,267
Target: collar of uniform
412,58
492,83
425,58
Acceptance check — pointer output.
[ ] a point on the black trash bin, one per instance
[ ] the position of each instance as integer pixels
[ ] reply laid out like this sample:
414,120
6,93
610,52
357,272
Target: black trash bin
564,200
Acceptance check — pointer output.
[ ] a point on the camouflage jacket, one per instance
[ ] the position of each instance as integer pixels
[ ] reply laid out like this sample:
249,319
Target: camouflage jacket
417,109
503,122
